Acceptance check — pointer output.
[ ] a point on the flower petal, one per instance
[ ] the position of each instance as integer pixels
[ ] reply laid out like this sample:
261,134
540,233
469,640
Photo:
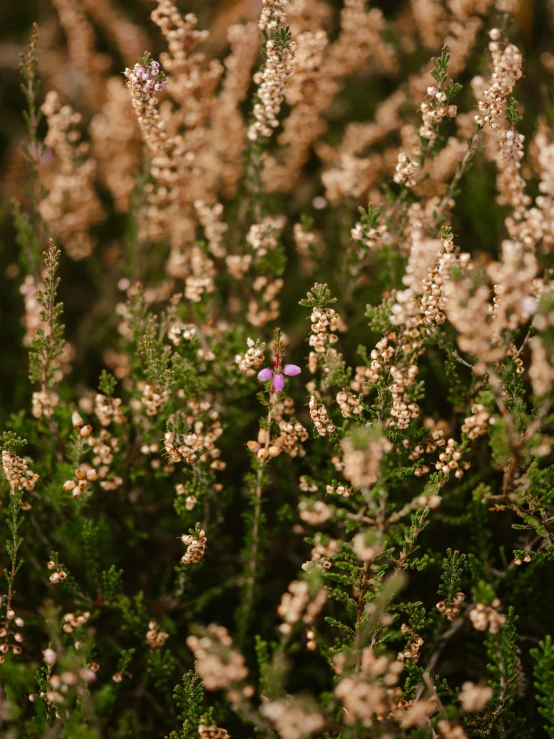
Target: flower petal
265,374
292,369
278,382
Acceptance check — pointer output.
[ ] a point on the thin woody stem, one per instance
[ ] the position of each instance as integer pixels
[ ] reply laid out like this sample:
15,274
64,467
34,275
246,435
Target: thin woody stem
258,491
16,508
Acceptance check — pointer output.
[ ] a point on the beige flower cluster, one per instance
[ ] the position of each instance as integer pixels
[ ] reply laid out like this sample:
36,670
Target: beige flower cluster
348,404
17,472
155,637
381,363
271,81
367,694
83,475
273,14
212,732
153,398
198,446
115,144
264,306
210,216
406,171
476,424
362,461
487,618
252,359
320,417
451,610
72,621
293,719
72,207
412,649
314,513
44,402
108,410
219,665
343,490
324,323
264,236
292,436
297,601
364,551
196,547
321,552
403,409
507,70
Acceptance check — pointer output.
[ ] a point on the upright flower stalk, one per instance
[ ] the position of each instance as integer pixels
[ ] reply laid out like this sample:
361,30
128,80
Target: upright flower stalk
264,450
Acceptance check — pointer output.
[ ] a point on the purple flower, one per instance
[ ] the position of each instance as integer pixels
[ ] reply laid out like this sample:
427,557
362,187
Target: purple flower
278,379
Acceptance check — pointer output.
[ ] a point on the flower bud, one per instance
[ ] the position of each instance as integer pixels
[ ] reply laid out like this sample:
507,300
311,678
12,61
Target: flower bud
76,420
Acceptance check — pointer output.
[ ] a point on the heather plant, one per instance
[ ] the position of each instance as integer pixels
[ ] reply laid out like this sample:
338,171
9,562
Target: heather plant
277,405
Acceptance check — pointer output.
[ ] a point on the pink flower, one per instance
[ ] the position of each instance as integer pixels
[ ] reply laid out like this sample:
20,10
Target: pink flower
278,379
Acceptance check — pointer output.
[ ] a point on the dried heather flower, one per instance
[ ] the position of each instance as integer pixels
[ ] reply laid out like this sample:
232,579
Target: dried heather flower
155,637
475,697
314,513
17,473
363,452
487,617
71,207
271,83
218,664
252,359
293,719
320,417
196,547
212,732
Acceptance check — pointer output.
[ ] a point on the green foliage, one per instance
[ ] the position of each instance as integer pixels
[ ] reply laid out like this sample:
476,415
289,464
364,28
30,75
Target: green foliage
320,554
161,668
440,74
318,297
11,442
543,672
451,577
189,698
111,583
512,113
502,651
48,343
107,383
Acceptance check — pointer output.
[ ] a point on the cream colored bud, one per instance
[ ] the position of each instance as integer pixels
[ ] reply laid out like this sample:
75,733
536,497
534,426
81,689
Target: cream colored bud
50,656
76,420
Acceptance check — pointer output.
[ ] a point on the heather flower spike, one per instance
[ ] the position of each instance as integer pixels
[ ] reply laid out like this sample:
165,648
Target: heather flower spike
275,373
278,379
